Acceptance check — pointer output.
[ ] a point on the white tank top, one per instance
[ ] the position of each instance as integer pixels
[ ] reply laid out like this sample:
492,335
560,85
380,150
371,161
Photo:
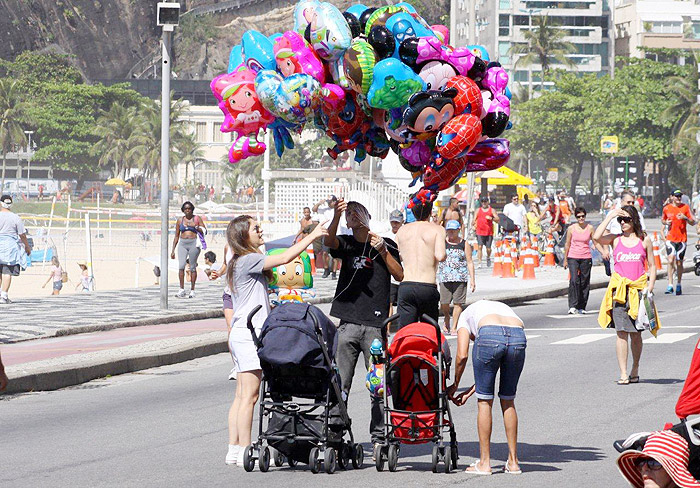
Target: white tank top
473,314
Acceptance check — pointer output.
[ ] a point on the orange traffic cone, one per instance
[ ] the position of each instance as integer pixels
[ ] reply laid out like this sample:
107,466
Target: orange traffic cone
549,252
514,255
497,266
535,253
529,264
507,265
310,252
657,252
521,257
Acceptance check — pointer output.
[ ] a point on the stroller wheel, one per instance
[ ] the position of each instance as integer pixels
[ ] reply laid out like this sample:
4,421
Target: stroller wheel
436,458
329,460
379,457
278,458
344,454
393,457
448,459
314,463
264,460
358,456
249,459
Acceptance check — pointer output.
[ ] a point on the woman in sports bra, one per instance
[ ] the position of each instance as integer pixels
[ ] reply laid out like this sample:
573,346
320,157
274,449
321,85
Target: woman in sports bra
187,230
632,251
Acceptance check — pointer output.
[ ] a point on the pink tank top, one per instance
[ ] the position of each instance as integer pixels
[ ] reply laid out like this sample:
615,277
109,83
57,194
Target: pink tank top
580,247
630,261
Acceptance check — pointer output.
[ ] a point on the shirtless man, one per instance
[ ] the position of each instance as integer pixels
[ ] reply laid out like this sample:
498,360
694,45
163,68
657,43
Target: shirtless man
452,212
422,247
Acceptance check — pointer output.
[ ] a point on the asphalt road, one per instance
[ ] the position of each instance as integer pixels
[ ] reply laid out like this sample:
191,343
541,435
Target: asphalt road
167,426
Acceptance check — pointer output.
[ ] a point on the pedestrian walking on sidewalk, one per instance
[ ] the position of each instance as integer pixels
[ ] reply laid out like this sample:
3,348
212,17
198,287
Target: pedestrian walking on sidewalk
56,276
248,275
632,251
453,275
499,345
579,261
14,247
677,216
188,230
484,217
361,299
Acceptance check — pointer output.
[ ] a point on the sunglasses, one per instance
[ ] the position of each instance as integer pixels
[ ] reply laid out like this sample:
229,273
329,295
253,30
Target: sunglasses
581,216
624,219
652,464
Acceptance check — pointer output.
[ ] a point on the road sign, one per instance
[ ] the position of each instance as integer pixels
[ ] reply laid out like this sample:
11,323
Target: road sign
552,174
609,144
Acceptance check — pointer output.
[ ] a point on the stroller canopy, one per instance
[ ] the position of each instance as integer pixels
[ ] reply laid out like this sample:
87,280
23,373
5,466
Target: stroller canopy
418,339
289,338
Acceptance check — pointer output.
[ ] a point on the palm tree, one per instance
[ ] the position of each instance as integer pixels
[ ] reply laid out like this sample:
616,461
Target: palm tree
544,45
146,152
13,112
189,151
685,108
118,129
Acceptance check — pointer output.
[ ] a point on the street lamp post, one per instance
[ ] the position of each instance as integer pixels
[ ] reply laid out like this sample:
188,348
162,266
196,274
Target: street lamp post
529,13
30,153
168,18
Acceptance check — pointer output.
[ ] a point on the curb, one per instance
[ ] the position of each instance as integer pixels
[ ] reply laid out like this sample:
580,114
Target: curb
43,377
46,379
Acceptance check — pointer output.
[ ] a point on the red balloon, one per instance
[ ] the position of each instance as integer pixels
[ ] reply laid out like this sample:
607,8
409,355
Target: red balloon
468,95
443,173
459,136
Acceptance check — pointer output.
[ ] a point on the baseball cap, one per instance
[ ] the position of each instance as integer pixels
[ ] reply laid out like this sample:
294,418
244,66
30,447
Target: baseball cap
396,216
677,193
332,198
452,225
484,199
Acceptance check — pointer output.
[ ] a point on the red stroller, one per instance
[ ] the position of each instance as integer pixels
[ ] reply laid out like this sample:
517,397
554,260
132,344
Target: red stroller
416,366
688,404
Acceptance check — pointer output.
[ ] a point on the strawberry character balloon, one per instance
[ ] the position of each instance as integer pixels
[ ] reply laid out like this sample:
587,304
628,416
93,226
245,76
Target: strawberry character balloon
243,112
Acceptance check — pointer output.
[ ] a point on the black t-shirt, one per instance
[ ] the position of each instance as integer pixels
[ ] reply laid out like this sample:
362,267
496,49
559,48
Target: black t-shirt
362,294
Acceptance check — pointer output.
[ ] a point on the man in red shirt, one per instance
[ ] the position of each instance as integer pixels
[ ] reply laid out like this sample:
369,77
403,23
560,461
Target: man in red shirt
676,215
484,217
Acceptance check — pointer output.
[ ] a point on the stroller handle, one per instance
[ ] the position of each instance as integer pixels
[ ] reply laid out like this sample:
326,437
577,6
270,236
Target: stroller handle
385,325
429,320
252,313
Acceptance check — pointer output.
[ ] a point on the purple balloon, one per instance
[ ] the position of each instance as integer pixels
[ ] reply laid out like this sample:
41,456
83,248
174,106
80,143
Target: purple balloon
489,154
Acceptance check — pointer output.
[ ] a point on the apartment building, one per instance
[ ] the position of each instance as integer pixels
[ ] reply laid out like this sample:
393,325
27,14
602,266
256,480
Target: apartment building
501,23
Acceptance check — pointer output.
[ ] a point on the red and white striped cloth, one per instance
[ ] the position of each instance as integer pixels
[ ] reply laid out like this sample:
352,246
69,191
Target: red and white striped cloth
669,449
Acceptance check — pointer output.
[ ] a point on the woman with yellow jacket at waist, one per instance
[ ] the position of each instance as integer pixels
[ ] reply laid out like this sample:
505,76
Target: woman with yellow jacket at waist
632,252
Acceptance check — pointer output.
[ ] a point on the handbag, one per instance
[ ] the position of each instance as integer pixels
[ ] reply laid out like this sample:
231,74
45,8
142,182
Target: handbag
64,277
647,318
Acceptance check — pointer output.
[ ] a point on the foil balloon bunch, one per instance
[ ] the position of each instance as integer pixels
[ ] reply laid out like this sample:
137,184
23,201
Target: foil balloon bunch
374,80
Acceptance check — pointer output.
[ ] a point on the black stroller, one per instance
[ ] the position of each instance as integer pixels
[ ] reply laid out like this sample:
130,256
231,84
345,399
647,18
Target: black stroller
300,398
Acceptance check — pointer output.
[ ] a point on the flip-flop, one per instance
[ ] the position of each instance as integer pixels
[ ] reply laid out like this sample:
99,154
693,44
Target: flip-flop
476,470
634,379
626,381
507,470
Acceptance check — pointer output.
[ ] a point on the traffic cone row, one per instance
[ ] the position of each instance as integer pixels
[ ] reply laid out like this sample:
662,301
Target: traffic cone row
507,266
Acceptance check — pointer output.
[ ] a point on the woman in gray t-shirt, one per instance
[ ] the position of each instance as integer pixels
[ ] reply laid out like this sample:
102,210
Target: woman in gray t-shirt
248,275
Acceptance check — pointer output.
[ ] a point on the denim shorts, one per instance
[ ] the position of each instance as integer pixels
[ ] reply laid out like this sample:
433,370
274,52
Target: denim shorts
498,347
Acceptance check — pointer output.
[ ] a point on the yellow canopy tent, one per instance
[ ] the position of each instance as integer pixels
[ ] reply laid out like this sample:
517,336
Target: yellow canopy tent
501,176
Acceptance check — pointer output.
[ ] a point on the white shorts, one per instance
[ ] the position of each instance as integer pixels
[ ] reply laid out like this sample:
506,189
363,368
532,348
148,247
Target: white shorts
243,350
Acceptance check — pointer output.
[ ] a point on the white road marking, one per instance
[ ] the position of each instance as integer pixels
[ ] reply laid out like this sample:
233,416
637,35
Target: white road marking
571,316
528,336
584,339
668,338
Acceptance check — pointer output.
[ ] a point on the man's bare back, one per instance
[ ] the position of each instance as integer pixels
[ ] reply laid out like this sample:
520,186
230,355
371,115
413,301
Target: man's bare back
422,247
